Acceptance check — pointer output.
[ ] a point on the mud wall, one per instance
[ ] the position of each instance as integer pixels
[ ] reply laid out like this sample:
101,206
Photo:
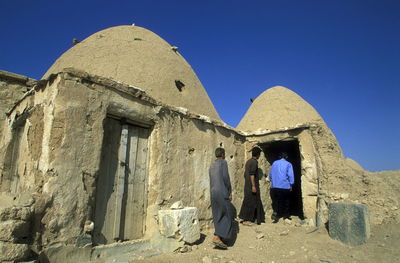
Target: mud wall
60,143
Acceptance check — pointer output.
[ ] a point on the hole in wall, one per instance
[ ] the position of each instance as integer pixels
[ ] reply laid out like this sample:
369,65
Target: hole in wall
179,85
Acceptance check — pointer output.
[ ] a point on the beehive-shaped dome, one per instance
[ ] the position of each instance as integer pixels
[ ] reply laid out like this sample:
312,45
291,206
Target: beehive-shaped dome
277,108
140,58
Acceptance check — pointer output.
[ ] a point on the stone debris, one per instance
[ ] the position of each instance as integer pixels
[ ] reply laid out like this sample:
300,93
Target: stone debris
177,205
259,236
287,221
88,227
207,259
344,196
284,233
184,249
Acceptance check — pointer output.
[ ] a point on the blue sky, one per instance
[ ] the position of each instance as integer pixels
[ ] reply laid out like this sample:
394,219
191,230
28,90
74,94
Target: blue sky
342,56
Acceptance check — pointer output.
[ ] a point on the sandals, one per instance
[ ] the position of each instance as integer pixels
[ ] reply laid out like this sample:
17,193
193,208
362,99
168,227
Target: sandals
247,223
219,244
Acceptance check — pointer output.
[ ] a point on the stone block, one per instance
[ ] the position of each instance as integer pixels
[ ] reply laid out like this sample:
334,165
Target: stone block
15,213
65,254
14,231
13,252
84,240
349,223
180,224
115,249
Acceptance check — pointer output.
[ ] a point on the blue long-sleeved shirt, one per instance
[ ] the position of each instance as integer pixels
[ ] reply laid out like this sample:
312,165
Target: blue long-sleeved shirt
281,174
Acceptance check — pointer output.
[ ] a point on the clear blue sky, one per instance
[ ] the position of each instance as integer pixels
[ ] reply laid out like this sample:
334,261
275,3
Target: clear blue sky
342,56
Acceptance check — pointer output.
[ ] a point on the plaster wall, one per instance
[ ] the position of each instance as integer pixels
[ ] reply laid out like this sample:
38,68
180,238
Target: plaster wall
60,149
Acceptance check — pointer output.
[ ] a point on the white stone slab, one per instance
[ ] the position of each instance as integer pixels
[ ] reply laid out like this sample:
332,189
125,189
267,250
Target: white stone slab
180,224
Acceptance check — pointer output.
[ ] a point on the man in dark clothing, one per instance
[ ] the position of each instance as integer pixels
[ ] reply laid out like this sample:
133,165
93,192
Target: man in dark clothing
221,196
282,180
252,208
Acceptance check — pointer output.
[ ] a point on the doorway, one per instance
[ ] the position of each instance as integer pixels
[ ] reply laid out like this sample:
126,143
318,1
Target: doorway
120,196
291,147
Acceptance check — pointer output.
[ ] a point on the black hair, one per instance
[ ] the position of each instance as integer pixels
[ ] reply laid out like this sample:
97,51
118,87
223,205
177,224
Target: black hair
255,152
283,155
219,152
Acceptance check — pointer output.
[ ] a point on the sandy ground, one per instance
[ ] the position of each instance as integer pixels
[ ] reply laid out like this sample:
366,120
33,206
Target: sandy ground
291,243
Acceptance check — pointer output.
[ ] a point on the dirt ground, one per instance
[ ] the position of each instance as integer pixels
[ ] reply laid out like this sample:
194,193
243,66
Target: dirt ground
291,243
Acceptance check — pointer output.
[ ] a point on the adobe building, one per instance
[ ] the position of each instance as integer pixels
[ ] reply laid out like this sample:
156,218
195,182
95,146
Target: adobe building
121,127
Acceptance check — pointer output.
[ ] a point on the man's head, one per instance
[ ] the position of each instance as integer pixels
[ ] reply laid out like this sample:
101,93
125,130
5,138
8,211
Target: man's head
283,155
255,152
220,153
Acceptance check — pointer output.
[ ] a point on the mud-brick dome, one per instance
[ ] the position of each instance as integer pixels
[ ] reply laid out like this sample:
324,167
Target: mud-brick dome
138,57
277,108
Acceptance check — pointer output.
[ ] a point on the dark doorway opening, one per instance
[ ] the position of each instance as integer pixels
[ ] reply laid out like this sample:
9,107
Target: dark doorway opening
291,147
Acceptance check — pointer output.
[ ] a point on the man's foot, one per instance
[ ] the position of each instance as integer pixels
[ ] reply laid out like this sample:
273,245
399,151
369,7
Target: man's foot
288,221
218,243
247,223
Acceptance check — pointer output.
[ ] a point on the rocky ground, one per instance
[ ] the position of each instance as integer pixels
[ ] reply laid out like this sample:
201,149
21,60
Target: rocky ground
291,243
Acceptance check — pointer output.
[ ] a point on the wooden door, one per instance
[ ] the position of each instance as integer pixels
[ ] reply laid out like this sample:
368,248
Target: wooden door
121,188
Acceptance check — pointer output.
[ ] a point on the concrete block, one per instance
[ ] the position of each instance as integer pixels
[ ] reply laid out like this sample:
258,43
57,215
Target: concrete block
13,252
349,223
180,224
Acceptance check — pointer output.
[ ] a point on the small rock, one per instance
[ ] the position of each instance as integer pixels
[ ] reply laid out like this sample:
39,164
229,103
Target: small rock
284,233
177,205
206,260
259,236
184,249
344,196
287,222
292,253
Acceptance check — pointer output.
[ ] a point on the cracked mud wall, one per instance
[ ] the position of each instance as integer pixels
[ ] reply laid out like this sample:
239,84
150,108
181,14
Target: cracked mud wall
182,150
60,148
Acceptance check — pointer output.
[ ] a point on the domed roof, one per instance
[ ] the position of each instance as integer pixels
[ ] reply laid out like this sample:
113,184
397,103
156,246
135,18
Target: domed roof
277,108
138,57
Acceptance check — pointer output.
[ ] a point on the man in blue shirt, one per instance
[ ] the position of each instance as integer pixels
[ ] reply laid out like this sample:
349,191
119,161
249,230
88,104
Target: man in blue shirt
282,180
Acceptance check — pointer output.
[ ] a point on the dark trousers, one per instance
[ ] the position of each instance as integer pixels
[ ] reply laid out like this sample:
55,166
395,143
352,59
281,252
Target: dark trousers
280,202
